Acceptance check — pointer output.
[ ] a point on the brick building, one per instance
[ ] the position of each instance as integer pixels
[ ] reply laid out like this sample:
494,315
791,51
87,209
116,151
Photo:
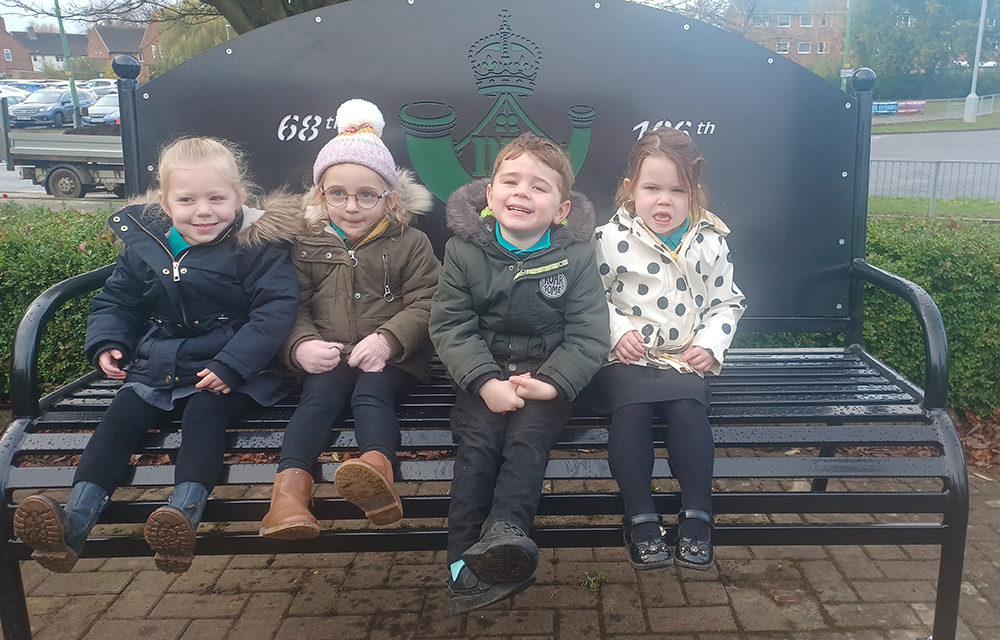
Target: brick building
43,49
807,31
15,60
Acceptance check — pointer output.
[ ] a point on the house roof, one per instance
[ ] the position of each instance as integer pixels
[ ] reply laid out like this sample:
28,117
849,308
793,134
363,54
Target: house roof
48,44
121,39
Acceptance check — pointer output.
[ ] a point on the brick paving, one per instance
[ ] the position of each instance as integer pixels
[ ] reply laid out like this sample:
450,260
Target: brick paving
767,593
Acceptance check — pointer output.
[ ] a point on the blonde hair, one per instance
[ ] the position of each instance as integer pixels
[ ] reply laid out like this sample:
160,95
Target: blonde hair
679,148
229,160
546,152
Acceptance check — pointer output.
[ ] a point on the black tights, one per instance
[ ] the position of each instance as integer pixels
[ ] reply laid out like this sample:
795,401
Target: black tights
105,459
689,443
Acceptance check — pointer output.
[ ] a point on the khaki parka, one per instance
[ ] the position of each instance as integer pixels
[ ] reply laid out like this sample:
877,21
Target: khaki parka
382,284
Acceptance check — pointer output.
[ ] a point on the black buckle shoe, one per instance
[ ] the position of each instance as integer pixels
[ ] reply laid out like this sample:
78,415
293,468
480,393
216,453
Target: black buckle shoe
504,553
468,592
693,552
646,554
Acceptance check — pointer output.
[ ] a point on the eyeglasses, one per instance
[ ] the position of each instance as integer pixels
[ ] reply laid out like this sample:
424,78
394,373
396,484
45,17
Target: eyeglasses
366,198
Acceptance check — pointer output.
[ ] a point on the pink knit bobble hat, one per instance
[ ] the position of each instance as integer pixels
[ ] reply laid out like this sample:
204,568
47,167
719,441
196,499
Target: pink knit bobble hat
358,141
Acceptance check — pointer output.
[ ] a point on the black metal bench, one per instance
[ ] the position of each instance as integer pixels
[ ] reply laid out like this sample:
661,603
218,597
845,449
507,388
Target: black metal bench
824,446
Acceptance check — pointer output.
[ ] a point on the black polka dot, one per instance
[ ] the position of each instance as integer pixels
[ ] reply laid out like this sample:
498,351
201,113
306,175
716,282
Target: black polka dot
681,285
674,333
679,310
659,341
714,302
704,278
726,329
700,238
699,299
697,267
599,235
620,269
647,329
645,339
636,311
622,227
729,256
719,281
619,311
710,352
652,267
699,327
643,289
605,268
619,286
622,247
662,303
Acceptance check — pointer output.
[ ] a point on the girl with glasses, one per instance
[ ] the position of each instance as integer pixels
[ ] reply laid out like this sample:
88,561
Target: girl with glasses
366,279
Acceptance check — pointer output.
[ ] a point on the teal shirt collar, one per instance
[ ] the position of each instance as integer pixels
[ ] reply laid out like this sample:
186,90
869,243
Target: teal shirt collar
543,243
674,239
177,242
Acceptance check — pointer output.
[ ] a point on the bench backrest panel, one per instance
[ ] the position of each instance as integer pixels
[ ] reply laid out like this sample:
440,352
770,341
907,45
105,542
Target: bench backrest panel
457,78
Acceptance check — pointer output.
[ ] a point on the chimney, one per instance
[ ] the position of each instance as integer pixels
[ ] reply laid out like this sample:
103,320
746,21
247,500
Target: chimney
31,34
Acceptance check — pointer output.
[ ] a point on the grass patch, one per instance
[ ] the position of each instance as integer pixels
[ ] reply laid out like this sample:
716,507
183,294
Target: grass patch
973,208
956,124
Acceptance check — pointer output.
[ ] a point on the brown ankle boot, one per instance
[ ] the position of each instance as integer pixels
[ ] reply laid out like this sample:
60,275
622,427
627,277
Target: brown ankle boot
289,517
366,482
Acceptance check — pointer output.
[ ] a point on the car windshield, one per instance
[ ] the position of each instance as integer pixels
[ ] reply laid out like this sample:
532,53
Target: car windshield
110,100
43,97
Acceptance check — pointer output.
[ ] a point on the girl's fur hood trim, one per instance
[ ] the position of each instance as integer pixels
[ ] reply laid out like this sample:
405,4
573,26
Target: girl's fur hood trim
466,203
279,221
412,198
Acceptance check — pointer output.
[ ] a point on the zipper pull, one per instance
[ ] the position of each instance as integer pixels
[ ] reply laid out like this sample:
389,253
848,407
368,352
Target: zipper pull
177,272
387,296
350,254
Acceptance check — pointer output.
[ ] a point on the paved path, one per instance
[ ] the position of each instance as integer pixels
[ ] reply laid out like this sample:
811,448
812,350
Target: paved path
767,593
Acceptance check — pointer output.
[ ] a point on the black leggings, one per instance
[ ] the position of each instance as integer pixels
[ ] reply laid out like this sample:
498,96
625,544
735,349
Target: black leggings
372,398
689,444
105,460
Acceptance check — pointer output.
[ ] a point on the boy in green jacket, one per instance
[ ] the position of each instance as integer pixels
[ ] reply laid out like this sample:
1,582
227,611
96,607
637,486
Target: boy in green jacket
521,323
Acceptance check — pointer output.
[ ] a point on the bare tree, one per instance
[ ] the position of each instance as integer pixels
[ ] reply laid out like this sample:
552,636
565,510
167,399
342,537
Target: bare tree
242,15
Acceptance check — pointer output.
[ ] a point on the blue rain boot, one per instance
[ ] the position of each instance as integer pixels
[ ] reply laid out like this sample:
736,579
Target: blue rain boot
170,530
55,533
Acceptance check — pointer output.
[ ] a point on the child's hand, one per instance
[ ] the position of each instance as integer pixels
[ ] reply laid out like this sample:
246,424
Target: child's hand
528,388
108,361
500,396
698,359
318,356
630,348
370,354
211,381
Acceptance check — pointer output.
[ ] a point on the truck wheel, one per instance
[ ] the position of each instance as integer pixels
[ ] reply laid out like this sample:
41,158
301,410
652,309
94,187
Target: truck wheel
57,120
64,183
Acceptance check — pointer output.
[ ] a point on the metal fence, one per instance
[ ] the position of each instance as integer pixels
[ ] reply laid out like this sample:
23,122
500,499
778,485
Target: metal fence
935,180
949,109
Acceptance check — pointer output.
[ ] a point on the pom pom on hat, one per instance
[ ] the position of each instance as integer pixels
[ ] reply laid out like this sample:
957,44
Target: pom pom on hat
356,113
359,141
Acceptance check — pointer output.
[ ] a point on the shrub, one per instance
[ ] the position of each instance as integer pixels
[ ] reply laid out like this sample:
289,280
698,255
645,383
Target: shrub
38,248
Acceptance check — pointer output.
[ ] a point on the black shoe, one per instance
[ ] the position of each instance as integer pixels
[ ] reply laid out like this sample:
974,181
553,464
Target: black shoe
693,552
504,553
469,592
646,554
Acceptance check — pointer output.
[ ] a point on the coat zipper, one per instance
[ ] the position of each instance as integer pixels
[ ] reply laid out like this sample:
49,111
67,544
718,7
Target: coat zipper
387,296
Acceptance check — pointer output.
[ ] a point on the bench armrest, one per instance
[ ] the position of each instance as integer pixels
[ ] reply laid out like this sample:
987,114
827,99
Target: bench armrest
935,339
24,355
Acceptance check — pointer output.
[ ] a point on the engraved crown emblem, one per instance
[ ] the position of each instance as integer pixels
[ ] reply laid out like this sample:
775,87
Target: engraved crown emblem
504,62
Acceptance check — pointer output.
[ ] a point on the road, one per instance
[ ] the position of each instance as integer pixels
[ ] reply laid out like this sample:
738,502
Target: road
961,146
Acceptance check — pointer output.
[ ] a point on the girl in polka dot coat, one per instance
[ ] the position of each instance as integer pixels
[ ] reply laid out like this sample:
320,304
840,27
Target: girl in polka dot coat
668,278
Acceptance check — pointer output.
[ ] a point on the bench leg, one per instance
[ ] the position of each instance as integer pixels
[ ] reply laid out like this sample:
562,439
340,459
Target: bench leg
13,606
827,451
949,589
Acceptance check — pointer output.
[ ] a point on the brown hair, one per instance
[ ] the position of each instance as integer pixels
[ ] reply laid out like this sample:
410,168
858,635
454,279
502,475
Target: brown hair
677,147
546,152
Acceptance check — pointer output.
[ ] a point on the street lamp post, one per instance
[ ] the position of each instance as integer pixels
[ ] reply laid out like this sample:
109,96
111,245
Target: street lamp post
68,62
972,100
847,45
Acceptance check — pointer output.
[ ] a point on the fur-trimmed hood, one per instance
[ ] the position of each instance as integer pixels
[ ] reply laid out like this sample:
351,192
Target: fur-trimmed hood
464,208
412,198
280,219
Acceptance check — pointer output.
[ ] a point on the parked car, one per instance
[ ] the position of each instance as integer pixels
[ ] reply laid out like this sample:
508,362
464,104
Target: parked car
104,111
102,86
12,100
49,106
26,85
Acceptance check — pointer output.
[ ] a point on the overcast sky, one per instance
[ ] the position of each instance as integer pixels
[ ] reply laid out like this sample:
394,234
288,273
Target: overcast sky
16,22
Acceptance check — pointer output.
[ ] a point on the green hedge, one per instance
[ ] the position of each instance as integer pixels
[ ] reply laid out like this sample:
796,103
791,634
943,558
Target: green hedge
39,248
958,264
